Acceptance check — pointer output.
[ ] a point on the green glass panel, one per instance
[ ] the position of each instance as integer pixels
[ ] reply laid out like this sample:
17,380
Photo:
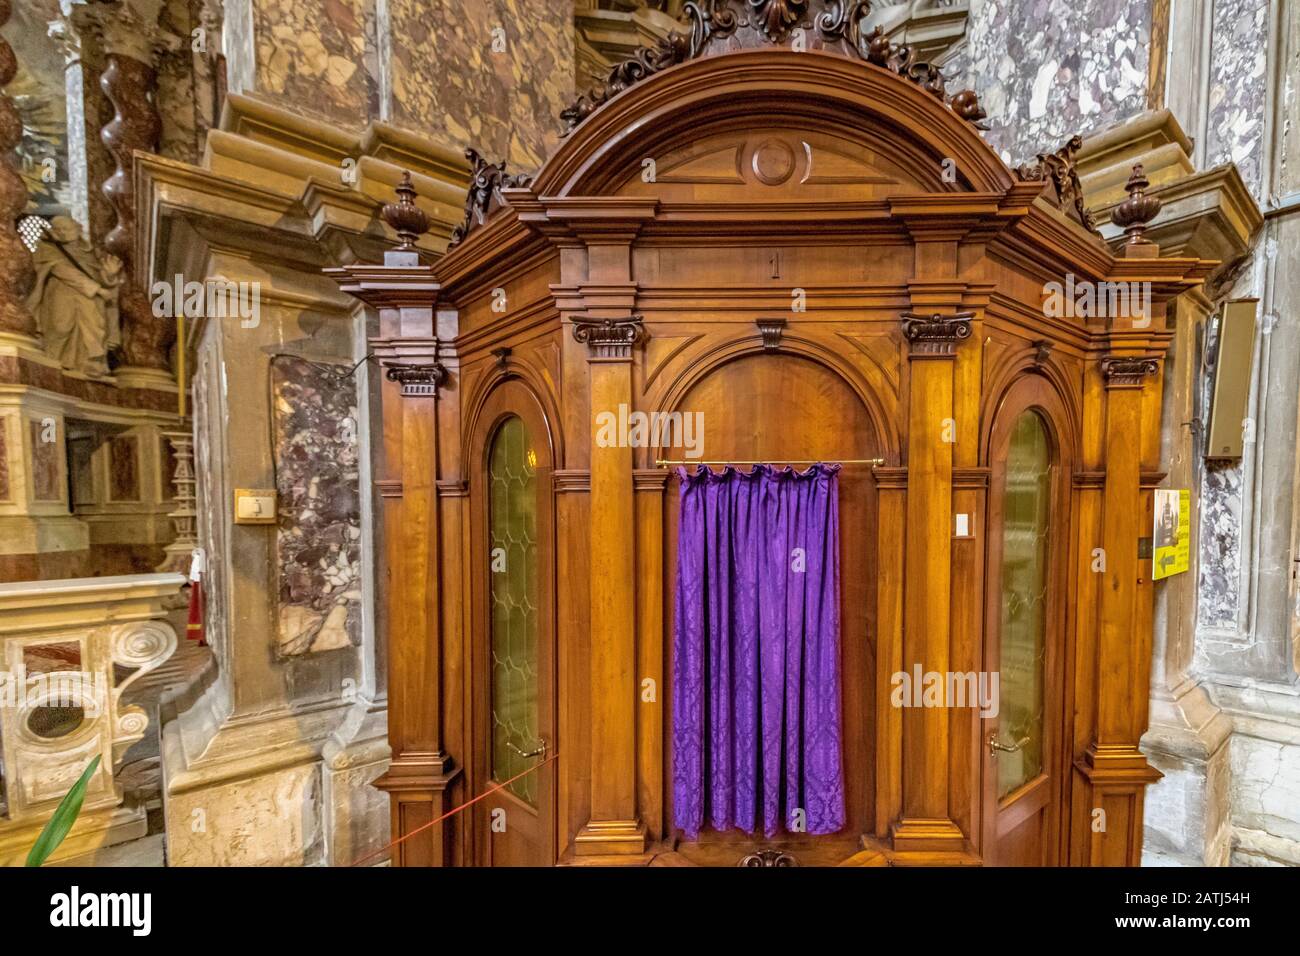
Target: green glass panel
512,530
1025,523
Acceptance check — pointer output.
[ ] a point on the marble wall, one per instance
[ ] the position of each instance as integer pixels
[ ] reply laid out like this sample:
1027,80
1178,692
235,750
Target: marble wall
1238,88
493,74
501,73
1047,69
311,56
318,542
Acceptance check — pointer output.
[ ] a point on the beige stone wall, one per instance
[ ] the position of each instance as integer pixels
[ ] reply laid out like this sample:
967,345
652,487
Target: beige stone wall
492,74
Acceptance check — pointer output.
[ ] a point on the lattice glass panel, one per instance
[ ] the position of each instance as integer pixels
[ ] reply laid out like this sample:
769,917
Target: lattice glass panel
1025,523
512,504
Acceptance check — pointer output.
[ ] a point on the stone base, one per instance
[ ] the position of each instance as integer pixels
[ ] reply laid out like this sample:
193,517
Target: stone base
151,379
1186,814
285,789
356,813
93,830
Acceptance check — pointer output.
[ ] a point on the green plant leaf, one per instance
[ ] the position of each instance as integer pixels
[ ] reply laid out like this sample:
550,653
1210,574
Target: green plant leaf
65,815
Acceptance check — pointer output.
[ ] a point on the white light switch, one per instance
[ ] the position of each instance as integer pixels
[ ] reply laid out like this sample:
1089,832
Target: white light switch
254,506
963,526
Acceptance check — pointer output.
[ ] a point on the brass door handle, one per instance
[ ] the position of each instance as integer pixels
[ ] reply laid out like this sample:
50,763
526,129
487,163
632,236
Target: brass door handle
526,754
996,745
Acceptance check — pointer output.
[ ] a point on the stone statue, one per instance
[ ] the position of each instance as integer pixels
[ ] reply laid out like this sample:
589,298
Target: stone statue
75,299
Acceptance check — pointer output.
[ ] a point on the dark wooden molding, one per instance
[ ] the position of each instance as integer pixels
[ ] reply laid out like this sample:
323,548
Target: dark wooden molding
1060,171
650,479
974,477
417,381
485,185
567,480
771,330
608,338
934,334
894,477
389,487
1127,371
721,26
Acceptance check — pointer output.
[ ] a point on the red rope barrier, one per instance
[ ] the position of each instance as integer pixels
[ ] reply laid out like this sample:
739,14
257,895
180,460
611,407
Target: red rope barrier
453,812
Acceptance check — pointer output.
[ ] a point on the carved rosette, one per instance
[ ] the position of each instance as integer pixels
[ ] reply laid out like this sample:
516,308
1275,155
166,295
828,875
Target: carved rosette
486,182
1060,170
1127,371
608,338
718,26
129,84
934,334
16,273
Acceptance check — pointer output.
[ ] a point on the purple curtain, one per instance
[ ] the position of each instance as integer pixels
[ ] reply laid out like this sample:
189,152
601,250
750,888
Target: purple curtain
756,651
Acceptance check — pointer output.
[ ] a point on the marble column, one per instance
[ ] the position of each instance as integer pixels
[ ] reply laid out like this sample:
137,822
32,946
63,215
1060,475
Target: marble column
15,260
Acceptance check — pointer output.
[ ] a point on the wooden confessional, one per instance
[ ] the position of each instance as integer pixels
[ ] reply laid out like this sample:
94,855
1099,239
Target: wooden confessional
791,228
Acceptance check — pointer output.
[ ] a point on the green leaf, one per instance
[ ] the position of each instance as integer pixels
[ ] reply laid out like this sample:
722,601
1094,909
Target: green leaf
64,816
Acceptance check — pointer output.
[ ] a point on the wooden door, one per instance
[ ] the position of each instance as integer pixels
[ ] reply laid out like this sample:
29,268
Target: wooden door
780,408
1022,742
512,672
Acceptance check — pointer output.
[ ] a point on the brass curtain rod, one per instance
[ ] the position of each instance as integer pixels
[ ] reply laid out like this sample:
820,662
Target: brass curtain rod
786,461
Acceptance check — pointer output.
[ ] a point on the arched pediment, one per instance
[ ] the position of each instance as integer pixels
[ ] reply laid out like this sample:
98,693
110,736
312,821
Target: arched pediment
864,125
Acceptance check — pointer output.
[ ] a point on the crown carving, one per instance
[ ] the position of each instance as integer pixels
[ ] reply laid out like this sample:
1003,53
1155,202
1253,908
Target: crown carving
721,26
1059,169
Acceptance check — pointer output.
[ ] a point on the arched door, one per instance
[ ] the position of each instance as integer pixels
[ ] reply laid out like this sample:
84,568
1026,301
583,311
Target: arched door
512,685
1024,641
779,408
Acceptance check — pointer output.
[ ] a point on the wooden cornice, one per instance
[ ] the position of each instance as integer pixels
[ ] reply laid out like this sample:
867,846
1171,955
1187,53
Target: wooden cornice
386,287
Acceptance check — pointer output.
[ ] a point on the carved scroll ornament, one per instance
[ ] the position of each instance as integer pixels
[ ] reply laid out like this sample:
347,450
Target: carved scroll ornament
486,182
1059,169
936,334
608,338
718,26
